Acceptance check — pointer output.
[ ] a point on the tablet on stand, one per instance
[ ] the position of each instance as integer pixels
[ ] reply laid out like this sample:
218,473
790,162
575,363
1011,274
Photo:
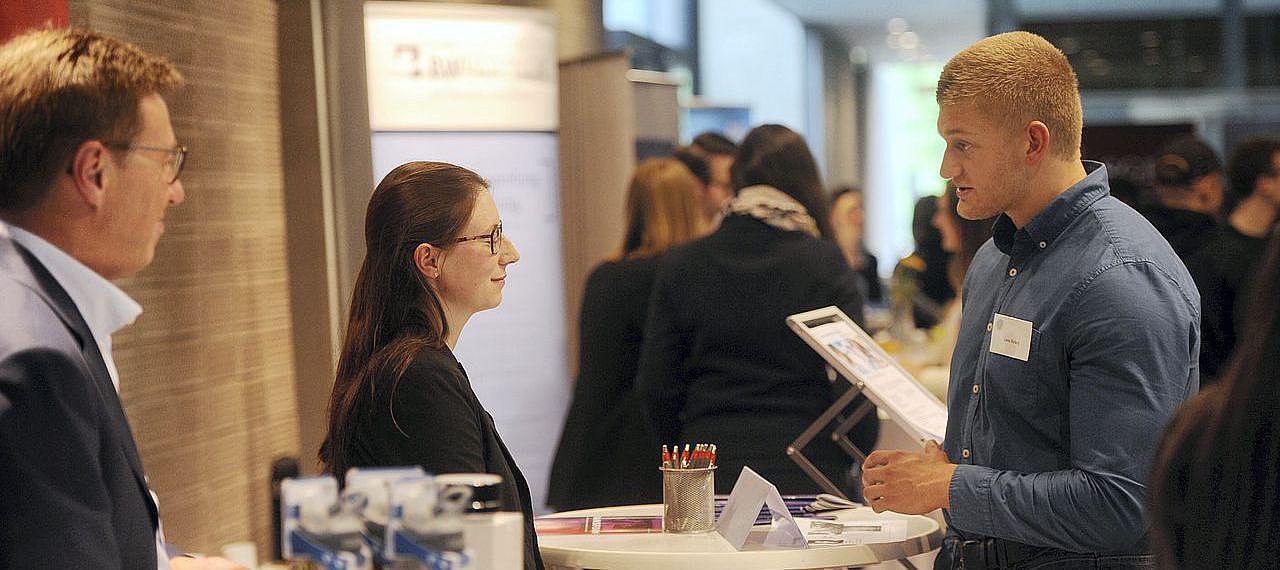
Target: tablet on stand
856,357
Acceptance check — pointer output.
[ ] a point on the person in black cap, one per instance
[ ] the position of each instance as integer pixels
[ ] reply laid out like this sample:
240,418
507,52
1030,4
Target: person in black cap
1224,267
1188,184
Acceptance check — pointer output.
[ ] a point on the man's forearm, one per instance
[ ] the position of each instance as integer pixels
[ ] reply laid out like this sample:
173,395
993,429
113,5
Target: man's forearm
1070,510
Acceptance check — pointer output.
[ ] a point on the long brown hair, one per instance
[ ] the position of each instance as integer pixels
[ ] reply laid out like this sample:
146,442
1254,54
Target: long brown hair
662,209
1215,493
776,156
395,312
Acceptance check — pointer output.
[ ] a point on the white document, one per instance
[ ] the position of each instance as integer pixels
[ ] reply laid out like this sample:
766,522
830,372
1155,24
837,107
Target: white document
857,357
870,531
751,492
1011,337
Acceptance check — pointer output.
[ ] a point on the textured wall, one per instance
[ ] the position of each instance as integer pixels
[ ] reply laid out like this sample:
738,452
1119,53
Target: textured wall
207,371
597,155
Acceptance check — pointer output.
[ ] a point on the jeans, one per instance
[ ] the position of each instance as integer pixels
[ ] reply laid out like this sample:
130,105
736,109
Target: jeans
1050,559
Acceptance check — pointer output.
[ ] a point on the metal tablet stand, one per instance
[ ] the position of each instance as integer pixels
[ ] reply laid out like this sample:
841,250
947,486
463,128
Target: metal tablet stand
839,434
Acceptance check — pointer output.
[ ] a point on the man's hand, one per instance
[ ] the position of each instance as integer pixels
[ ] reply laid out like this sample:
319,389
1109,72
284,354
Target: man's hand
908,483
211,563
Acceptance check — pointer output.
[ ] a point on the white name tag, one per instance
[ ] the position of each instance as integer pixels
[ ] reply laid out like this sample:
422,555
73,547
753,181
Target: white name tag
1011,337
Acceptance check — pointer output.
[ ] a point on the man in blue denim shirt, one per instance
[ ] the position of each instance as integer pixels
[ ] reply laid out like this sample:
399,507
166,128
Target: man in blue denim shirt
1079,336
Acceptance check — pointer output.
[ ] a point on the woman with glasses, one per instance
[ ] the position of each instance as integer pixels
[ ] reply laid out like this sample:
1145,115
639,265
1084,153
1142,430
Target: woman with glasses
435,256
718,364
606,452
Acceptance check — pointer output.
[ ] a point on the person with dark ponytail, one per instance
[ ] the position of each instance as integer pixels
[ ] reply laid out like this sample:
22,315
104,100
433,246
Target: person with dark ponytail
1215,502
718,363
435,256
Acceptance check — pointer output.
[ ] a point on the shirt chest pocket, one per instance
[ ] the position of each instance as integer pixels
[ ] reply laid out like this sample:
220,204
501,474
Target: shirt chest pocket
1011,378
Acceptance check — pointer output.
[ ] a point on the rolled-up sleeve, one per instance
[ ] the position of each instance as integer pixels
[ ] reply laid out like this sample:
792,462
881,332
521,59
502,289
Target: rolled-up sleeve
1132,348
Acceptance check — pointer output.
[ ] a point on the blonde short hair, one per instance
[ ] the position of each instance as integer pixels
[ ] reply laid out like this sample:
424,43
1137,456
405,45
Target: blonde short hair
1018,77
662,208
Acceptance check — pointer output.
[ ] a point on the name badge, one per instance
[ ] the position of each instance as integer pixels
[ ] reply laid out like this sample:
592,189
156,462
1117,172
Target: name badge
1011,337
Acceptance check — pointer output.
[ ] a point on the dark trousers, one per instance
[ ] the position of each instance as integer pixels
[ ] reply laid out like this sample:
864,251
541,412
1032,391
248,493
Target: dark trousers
994,553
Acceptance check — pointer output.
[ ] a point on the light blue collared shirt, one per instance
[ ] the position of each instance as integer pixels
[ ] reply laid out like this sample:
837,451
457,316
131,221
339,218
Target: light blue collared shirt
1055,450
106,309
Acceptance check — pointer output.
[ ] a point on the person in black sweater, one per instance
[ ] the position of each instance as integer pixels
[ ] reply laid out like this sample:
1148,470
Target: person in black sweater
608,452
435,256
1224,266
718,363
1188,181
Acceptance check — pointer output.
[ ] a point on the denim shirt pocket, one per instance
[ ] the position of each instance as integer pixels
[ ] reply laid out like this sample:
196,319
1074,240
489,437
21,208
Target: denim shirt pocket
1014,379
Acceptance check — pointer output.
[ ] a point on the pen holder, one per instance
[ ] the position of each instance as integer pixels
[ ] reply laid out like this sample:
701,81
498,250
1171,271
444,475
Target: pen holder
688,499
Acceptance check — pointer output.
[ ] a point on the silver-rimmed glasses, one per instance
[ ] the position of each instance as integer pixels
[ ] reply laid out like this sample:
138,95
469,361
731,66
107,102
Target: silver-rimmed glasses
172,166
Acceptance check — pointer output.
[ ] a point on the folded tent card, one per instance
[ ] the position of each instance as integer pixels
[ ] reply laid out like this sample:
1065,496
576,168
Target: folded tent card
751,492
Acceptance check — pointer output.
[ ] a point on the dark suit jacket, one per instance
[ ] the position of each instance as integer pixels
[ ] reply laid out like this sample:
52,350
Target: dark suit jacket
608,451
719,364
432,418
72,493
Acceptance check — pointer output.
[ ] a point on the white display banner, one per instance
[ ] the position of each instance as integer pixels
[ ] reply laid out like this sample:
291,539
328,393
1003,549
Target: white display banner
515,354
443,67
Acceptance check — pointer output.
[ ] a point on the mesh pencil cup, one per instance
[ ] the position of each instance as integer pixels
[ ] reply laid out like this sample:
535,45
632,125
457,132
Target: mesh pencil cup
688,499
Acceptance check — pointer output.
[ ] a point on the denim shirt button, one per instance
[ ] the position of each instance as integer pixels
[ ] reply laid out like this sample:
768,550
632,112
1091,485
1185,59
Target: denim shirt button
1013,272
964,453
1044,244
988,326
976,388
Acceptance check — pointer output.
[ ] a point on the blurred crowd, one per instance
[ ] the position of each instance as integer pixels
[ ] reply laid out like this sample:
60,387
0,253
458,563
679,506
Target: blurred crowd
683,335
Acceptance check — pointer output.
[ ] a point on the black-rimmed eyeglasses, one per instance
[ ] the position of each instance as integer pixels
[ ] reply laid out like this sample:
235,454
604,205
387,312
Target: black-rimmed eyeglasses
494,237
172,166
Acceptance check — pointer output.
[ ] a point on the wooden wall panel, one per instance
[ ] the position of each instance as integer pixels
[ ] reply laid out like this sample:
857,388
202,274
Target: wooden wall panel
597,155
207,372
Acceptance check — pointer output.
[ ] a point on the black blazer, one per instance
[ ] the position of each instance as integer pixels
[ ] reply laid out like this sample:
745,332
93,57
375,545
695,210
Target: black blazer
608,453
719,364
72,493
432,418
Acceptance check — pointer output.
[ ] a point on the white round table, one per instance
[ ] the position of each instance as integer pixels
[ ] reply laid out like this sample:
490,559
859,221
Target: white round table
710,551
